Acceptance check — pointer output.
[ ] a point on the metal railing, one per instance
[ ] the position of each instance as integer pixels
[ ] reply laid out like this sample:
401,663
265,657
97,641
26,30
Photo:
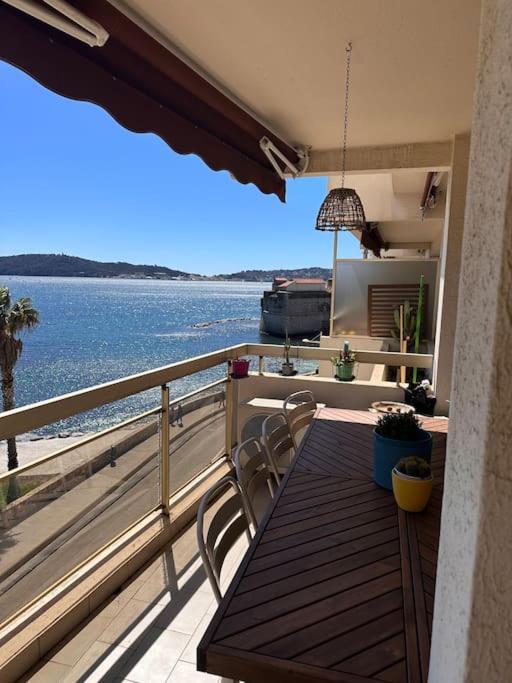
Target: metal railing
410,360
63,488
156,455
27,418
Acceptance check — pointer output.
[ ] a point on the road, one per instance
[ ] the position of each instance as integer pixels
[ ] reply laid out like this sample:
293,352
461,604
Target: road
93,527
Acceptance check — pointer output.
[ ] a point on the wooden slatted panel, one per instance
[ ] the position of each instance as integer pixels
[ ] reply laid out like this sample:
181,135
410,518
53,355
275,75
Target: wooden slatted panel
338,584
382,301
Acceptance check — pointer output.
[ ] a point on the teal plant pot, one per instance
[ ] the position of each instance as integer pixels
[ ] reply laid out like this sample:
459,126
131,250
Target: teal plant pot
345,371
387,452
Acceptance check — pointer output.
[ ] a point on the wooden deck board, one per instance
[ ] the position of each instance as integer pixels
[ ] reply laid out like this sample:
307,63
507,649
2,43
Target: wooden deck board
338,584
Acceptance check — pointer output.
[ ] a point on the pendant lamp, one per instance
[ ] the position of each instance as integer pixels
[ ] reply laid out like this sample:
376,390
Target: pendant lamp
342,209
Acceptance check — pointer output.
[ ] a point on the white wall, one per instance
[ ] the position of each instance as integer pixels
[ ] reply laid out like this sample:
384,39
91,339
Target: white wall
472,634
353,277
357,395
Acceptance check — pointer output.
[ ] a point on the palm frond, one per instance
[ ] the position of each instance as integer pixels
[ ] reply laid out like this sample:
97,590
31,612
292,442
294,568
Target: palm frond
5,302
21,316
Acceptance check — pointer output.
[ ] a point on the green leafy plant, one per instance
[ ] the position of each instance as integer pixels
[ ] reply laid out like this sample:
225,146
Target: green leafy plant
345,357
15,318
400,426
414,467
409,329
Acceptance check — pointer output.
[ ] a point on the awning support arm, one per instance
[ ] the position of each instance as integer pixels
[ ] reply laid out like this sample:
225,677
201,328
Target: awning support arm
65,18
273,153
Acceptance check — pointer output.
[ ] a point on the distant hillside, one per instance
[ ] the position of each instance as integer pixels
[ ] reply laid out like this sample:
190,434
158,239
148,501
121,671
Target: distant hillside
60,265
268,275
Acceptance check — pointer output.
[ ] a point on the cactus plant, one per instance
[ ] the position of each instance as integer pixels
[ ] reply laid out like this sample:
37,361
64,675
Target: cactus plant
409,322
287,347
419,320
345,357
414,467
401,426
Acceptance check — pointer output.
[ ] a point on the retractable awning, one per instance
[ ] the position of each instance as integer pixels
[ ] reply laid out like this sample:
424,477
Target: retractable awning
144,86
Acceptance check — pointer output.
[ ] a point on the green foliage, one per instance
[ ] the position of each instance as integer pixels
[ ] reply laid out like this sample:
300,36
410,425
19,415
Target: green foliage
400,426
23,488
414,467
409,322
14,318
344,358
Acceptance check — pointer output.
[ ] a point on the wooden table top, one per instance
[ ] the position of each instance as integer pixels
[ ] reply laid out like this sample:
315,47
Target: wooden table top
338,584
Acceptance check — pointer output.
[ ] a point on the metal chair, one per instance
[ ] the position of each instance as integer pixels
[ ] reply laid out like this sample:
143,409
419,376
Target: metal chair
299,409
254,476
278,443
229,522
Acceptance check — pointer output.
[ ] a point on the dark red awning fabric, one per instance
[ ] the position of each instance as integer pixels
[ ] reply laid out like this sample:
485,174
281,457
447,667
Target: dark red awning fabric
145,88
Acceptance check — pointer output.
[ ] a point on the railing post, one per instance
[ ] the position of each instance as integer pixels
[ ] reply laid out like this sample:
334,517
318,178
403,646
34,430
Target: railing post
164,450
229,410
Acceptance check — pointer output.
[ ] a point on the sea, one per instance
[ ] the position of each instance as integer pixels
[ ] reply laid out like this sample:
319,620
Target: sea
96,330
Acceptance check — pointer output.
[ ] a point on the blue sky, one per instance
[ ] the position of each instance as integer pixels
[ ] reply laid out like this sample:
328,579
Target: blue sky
72,180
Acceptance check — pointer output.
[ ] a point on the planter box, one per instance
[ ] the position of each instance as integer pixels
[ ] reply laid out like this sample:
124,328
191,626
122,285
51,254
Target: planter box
345,371
387,452
411,493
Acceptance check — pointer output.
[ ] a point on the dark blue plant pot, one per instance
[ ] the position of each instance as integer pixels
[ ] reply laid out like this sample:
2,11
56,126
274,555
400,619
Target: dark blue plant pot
387,452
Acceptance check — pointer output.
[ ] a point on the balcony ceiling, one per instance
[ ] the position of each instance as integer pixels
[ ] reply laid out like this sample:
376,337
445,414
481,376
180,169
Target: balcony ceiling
413,66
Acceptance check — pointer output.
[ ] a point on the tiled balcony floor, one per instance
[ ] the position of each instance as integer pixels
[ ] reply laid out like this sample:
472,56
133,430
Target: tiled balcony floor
149,632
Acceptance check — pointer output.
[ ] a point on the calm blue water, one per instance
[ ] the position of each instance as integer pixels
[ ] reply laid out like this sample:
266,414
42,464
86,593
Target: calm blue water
95,330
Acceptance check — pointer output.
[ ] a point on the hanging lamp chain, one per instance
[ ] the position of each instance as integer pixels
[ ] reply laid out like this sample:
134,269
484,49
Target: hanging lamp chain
348,51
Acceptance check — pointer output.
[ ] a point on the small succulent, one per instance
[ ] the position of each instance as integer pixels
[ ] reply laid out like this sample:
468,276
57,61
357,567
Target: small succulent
345,356
400,426
414,467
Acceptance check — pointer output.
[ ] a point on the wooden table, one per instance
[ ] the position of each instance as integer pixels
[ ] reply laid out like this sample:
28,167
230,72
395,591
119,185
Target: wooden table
338,584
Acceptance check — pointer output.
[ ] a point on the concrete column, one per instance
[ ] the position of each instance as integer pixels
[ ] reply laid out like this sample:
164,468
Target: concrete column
472,632
448,293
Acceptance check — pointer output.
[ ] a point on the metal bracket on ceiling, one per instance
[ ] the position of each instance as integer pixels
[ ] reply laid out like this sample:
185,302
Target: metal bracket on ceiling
273,154
430,192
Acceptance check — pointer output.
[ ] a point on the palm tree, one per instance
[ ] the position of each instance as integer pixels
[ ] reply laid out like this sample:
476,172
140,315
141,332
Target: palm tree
13,320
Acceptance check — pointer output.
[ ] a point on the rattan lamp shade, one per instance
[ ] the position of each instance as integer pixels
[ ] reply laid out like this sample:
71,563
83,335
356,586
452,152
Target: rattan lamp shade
341,210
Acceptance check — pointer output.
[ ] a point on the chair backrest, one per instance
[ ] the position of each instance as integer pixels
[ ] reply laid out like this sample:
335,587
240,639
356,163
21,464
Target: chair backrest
253,426
252,472
228,523
299,409
277,441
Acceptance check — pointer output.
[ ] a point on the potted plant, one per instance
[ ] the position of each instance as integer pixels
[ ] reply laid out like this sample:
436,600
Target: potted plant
287,368
412,483
407,328
397,435
240,368
344,363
